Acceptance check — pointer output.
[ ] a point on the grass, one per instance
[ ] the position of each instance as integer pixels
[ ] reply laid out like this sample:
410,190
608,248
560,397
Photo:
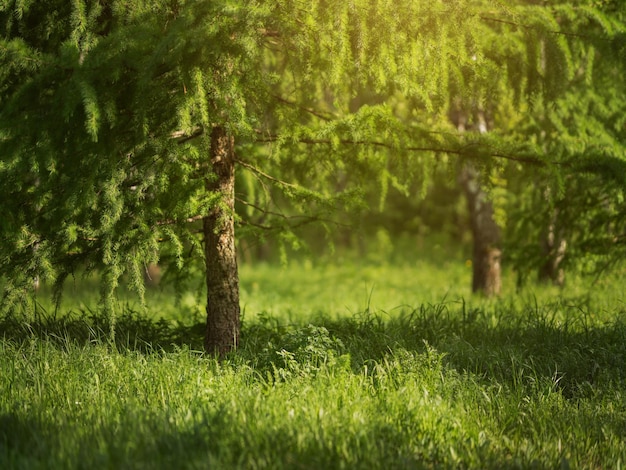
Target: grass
348,366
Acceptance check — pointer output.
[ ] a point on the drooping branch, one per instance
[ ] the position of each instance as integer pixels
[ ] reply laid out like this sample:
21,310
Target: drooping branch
175,222
182,137
265,175
536,28
303,219
468,150
328,117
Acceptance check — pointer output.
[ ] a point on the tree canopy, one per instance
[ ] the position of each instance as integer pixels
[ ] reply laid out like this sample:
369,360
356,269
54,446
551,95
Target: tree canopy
108,111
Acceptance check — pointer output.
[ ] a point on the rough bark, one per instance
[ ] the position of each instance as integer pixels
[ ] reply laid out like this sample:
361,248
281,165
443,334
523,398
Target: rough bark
222,278
486,276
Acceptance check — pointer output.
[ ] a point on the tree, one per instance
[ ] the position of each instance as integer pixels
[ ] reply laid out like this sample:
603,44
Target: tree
577,122
555,82
117,124
121,124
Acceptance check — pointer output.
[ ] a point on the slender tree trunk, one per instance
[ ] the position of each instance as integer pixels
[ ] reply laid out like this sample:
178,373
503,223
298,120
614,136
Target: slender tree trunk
553,247
486,276
222,278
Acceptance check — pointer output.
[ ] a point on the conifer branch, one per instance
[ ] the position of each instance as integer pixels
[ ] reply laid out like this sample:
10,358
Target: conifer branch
305,220
182,137
265,175
280,214
257,225
536,28
269,33
312,111
188,220
469,150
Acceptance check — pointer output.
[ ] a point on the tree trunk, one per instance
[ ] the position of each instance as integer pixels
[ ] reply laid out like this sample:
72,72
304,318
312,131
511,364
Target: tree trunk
222,278
553,247
486,276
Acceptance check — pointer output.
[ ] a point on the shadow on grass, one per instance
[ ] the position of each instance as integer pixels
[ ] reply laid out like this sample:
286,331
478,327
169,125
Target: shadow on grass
33,443
498,344
133,331
20,437
501,344
520,346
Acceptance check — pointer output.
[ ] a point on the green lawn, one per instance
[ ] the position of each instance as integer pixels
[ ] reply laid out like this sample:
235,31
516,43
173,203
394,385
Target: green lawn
340,366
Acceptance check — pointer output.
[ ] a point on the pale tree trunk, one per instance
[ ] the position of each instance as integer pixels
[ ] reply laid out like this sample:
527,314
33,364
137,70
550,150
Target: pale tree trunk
553,247
222,278
486,275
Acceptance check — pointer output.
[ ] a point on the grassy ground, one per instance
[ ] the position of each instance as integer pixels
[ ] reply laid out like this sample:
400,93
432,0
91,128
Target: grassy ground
339,367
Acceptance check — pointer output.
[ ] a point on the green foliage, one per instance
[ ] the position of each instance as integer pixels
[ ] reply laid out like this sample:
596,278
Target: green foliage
106,111
306,351
553,104
94,132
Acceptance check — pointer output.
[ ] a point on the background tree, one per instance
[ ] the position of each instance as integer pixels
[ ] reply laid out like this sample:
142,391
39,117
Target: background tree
122,122
579,127
547,89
